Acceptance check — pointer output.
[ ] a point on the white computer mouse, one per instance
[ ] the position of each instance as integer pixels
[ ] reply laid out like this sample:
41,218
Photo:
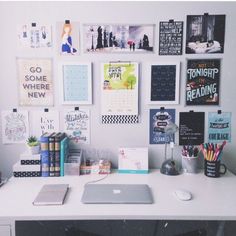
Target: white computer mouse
183,194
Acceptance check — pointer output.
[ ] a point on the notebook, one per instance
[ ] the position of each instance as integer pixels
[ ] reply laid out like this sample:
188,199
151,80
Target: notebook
51,194
117,194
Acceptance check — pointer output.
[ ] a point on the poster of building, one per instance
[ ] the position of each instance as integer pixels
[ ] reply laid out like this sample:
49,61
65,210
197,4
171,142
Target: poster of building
15,126
164,84
34,35
158,120
118,38
191,128
119,92
77,125
219,127
44,121
203,81
205,34
170,37
68,37
35,82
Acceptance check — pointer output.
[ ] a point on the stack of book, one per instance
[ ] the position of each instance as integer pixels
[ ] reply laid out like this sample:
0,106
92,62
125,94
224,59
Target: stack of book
28,166
54,149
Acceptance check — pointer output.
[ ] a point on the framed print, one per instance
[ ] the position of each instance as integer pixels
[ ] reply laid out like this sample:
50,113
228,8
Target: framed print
170,37
158,120
15,126
76,82
219,127
191,128
68,38
164,83
34,36
119,92
205,34
203,81
35,82
120,38
77,125
44,121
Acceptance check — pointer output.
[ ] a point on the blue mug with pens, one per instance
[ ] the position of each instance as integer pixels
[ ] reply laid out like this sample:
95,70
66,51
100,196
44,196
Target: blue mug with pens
212,159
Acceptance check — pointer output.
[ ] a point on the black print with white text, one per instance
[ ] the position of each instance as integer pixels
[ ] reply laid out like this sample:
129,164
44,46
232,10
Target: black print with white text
202,86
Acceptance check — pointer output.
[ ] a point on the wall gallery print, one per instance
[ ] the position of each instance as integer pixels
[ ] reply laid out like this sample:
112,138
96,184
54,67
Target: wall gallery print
77,125
35,82
203,77
118,38
119,92
171,37
219,127
76,83
205,34
34,35
164,85
68,37
44,121
15,127
191,128
158,120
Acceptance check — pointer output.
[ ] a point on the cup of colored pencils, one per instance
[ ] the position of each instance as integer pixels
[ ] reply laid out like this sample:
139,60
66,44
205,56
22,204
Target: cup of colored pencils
212,159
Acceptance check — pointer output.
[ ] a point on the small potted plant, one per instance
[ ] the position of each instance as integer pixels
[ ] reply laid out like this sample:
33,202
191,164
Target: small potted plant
33,145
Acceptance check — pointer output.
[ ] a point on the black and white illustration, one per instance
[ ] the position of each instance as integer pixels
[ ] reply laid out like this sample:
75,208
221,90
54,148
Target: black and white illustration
205,34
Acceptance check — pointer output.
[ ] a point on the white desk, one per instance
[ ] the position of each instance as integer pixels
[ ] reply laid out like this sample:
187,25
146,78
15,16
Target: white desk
213,199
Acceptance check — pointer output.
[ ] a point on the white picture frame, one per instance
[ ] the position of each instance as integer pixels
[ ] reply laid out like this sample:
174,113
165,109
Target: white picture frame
75,83
35,81
173,96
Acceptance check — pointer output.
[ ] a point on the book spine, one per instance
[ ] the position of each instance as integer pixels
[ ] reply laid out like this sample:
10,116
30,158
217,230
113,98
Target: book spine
52,155
44,155
57,156
45,163
63,153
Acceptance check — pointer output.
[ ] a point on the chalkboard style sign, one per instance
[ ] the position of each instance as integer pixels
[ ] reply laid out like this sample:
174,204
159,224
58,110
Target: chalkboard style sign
191,128
205,34
164,84
171,37
203,77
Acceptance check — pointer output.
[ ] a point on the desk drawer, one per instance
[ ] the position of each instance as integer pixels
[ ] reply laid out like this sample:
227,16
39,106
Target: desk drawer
5,230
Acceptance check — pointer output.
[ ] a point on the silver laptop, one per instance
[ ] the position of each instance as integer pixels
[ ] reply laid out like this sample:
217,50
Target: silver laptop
51,194
117,194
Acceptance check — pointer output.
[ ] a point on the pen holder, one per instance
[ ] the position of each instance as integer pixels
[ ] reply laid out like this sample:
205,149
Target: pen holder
214,168
190,164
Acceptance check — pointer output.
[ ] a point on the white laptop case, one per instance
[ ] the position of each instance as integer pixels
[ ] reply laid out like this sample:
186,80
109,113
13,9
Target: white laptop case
117,194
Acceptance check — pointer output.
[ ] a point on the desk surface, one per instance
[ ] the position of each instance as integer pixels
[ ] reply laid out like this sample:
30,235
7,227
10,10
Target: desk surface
213,198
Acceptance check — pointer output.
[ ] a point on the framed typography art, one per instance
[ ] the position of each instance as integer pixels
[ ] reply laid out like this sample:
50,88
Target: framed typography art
203,81
35,81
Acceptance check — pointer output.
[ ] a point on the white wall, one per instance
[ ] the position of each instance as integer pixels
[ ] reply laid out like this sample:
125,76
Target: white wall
113,136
